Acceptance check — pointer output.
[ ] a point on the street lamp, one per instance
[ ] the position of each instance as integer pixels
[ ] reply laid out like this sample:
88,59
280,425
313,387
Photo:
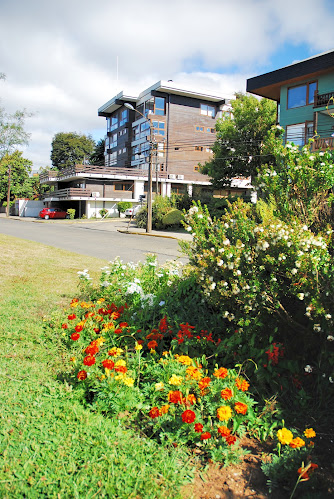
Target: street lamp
149,190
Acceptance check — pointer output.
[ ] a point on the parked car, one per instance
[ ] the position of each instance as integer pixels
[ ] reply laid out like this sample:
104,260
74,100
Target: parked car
131,212
47,213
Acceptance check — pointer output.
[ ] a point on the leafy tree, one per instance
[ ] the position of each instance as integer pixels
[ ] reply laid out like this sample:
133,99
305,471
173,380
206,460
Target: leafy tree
21,183
97,158
71,148
238,147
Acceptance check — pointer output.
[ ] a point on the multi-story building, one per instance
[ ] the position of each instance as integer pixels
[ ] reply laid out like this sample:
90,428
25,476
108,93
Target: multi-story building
304,92
166,126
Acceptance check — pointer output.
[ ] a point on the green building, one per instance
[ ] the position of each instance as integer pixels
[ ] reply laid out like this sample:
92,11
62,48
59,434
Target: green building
304,92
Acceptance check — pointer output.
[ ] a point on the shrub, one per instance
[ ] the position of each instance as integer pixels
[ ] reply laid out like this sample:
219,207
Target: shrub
103,212
122,206
172,217
71,213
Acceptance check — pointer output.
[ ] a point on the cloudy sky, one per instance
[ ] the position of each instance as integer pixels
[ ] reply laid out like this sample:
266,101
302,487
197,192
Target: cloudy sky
63,59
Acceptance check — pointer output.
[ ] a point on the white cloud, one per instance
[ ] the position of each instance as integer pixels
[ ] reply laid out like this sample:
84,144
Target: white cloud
60,57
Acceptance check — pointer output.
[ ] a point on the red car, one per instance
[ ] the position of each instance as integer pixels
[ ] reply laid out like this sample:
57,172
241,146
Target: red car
47,213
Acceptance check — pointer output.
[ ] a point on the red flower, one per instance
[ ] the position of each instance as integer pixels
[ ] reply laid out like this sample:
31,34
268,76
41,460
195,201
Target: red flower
64,326
154,412
198,427
224,431
89,360
226,394
206,435
231,439
121,369
123,324
75,336
204,383
78,328
119,330
92,349
71,317
175,397
152,344
82,375
96,330
188,416
240,408
108,364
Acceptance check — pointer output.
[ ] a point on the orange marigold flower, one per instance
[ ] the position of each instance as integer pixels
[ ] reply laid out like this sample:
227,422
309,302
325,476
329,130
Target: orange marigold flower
152,344
296,443
89,360
224,413
310,433
194,373
242,384
184,359
108,364
71,317
223,431
284,436
205,436
204,383
164,409
231,439
92,349
198,427
305,471
121,369
82,375
188,416
154,412
222,372
75,336
191,399
175,397
226,394
240,408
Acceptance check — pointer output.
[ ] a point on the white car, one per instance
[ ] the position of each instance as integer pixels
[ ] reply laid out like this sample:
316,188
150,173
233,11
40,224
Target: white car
131,212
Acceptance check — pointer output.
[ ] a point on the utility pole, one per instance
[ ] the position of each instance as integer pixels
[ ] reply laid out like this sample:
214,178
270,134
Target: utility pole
149,187
8,191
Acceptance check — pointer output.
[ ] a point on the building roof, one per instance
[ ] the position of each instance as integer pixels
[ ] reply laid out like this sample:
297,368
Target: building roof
167,87
269,84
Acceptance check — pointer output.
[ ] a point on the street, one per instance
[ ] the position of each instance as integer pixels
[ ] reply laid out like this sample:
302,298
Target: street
97,239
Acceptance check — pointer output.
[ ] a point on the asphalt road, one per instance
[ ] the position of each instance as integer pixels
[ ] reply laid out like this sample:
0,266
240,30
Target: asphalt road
97,239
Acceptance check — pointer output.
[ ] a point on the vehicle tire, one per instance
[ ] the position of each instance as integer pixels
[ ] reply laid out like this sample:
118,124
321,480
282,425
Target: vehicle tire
67,217
46,217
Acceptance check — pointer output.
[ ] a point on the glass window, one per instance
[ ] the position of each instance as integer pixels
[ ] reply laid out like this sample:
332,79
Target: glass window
302,95
200,129
208,110
140,109
159,107
149,107
311,89
296,134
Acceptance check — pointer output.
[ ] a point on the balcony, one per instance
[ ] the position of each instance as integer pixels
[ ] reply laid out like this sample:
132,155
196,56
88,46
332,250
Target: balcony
72,192
323,100
91,171
323,143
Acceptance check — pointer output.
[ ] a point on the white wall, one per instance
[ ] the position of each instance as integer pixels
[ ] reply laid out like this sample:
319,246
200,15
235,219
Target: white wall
28,208
92,208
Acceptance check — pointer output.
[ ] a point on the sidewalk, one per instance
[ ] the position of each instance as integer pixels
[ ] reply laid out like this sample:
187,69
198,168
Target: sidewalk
122,225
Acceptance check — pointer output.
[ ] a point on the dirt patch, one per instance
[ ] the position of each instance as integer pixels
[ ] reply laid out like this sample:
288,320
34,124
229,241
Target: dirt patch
246,479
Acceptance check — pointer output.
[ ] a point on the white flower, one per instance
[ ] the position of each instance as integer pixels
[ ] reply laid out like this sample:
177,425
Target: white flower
220,263
330,379
105,284
161,303
294,271
317,328
188,228
134,288
312,158
308,369
328,316
212,286
330,337
300,296
226,242
137,281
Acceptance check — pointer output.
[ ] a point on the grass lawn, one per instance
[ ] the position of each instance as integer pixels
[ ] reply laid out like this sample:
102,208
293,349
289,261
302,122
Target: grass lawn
50,445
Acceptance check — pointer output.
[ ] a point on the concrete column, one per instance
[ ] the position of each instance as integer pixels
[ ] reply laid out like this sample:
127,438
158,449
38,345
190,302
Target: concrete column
138,189
190,189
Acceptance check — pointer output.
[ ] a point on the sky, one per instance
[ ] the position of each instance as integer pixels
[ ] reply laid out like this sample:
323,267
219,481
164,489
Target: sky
64,59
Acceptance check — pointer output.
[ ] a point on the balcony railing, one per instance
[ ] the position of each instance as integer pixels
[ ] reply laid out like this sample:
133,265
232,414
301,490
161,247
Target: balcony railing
321,100
323,143
91,170
67,193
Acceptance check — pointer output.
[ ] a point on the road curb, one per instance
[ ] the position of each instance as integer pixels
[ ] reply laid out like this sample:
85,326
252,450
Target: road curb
146,234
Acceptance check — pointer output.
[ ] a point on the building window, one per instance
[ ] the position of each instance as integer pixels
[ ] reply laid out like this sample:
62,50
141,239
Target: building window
300,133
124,117
159,106
158,127
199,148
112,123
208,110
199,128
120,186
302,95
196,168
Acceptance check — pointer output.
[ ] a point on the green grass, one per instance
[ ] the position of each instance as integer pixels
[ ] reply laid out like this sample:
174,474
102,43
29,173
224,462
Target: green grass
50,445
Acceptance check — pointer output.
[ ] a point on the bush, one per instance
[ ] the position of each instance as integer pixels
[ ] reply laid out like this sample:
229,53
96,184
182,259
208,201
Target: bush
172,217
71,213
103,212
122,206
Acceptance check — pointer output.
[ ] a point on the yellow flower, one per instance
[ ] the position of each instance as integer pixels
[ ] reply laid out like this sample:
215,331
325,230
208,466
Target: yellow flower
310,433
165,353
120,377
284,436
175,380
115,352
74,304
120,362
159,386
100,340
184,359
100,300
224,413
164,409
128,381
72,359
108,326
138,347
